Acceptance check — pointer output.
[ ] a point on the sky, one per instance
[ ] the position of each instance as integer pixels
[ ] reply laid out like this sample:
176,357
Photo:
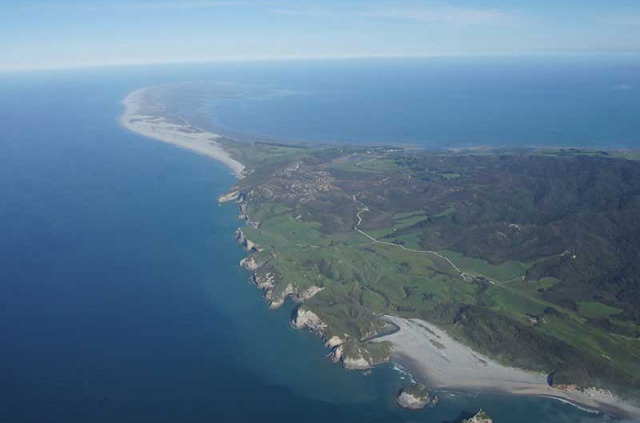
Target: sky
41,34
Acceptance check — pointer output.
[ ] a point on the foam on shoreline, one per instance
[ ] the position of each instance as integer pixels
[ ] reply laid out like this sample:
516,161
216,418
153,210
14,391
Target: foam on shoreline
138,118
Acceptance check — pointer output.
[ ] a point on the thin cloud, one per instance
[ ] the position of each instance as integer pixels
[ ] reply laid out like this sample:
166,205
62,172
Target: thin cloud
435,14
302,11
453,16
621,20
164,6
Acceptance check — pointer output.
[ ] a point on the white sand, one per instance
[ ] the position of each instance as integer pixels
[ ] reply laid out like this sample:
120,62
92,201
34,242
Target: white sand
448,364
179,134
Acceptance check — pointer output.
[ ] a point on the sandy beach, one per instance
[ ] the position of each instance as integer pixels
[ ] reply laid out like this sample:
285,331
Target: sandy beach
144,117
444,363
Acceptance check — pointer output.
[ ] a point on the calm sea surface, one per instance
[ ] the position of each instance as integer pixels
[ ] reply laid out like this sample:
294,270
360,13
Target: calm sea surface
583,101
121,298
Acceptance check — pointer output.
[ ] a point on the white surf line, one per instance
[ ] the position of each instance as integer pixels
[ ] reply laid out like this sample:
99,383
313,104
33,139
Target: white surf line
357,228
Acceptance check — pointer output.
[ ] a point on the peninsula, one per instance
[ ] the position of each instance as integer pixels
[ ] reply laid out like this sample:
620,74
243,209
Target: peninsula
506,270
146,116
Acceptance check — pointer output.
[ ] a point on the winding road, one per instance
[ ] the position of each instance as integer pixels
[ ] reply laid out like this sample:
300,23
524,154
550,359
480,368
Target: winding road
363,208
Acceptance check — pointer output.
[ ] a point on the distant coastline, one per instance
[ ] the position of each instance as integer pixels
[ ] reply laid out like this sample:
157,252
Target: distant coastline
149,120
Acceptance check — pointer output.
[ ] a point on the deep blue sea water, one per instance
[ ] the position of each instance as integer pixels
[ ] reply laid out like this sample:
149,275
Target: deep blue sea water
121,298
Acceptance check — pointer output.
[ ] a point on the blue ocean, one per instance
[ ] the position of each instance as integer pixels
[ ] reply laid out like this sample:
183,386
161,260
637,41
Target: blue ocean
121,298
589,101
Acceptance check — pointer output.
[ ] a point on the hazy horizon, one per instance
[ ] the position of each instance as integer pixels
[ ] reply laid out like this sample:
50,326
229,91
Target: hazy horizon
66,34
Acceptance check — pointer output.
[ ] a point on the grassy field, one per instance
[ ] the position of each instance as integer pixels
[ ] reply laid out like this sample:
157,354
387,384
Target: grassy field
597,310
504,272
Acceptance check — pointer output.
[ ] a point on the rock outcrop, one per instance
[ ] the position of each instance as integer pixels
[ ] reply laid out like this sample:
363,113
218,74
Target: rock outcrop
245,242
231,196
355,362
336,353
308,319
249,263
263,279
415,397
352,357
333,341
480,417
361,356
276,298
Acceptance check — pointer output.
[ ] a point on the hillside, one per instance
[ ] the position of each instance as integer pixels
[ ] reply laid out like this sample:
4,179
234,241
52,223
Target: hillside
529,256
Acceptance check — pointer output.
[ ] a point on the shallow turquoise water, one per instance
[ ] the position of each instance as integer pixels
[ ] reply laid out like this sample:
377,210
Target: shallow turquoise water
121,298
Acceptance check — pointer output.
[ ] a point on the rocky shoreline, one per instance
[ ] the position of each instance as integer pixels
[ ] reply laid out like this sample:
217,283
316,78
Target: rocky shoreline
342,349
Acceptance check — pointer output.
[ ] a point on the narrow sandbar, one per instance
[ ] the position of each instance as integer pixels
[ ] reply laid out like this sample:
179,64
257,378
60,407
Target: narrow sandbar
146,118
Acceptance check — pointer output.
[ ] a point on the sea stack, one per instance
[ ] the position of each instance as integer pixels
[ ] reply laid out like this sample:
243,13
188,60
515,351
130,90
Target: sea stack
480,417
415,397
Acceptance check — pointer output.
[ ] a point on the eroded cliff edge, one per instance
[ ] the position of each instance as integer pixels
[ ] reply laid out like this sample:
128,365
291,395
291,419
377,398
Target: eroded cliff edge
354,353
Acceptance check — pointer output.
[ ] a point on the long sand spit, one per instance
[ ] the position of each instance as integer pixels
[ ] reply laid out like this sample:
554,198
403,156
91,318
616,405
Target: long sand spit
444,363
145,117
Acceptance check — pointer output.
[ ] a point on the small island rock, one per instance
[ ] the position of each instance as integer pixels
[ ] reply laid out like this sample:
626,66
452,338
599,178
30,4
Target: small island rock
480,417
414,397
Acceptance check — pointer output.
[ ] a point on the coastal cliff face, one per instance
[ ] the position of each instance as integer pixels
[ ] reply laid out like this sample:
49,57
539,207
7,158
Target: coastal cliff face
308,319
352,354
249,263
245,242
265,278
230,196
410,402
299,295
357,362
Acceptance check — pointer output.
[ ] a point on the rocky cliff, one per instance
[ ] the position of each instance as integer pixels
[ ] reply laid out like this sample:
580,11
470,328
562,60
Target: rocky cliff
352,354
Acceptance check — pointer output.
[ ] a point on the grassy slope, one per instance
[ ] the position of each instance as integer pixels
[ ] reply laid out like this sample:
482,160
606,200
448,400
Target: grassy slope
362,279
